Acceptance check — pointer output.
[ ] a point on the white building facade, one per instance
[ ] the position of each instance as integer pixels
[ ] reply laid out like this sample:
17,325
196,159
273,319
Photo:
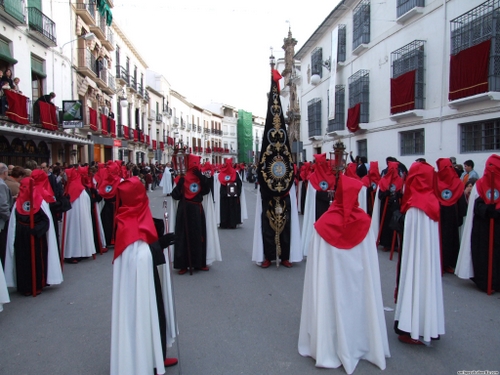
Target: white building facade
373,42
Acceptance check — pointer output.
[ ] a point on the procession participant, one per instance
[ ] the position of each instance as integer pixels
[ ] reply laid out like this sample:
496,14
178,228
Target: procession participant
335,328
453,207
419,315
230,202
138,320
190,222
208,170
318,199
352,171
32,238
6,202
304,172
481,234
371,181
77,235
107,190
166,180
387,200
276,229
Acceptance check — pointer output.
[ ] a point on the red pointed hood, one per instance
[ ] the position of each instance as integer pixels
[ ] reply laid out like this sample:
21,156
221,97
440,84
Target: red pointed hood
449,187
109,184
134,221
227,172
344,225
23,204
420,192
391,180
74,185
42,184
322,179
490,181
192,185
373,177
351,171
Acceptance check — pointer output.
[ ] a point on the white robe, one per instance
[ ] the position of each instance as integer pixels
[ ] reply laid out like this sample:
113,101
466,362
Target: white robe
4,293
335,328
166,181
310,215
464,268
54,272
135,330
258,245
243,201
419,307
79,234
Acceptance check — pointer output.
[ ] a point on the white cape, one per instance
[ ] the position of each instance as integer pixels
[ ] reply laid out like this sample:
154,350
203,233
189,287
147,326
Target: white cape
54,272
243,201
335,328
4,293
464,268
135,330
258,245
419,307
78,235
166,181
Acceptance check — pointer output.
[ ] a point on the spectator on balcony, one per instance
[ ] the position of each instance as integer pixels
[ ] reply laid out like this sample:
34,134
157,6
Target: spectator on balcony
17,80
7,79
99,65
47,98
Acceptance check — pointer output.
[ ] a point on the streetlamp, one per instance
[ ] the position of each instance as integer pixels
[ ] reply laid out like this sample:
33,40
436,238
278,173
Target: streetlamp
338,160
88,36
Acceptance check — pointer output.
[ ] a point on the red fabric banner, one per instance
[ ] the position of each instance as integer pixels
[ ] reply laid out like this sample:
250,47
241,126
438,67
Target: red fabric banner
147,140
48,116
154,145
170,141
162,146
403,92
18,110
126,132
93,119
136,135
112,127
104,124
469,71
353,118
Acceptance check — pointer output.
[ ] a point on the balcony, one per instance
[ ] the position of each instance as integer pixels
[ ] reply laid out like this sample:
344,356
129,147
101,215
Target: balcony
41,27
159,118
188,127
99,28
176,121
146,96
86,11
140,91
199,129
13,11
109,41
86,63
122,75
133,84
106,82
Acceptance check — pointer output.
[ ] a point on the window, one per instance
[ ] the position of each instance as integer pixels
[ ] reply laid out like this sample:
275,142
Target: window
362,147
37,77
412,142
404,6
406,59
359,92
314,116
316,62
477,26
341,50
338,123
480,136
361,24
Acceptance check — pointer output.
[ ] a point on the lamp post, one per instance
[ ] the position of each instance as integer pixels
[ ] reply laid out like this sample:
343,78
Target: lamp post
338,160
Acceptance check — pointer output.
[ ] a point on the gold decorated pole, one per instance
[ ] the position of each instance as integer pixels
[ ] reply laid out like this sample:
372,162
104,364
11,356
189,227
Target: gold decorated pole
277,221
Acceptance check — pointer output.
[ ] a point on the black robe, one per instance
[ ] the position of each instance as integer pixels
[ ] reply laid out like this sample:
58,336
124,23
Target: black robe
268,233
108,219
323,201
190,228
451,218
230,207
22,249
392,205
480,243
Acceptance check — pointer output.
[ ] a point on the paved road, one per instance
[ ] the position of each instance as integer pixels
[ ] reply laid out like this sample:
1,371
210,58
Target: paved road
235,319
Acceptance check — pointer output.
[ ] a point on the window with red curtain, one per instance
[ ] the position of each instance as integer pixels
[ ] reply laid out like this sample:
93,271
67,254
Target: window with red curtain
353,118
126,133
162,146
93,119
154,144
136,135
469,71
403,92
104,124
112,127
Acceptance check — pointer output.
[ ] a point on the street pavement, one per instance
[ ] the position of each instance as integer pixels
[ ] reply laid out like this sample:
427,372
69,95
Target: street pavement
235,319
